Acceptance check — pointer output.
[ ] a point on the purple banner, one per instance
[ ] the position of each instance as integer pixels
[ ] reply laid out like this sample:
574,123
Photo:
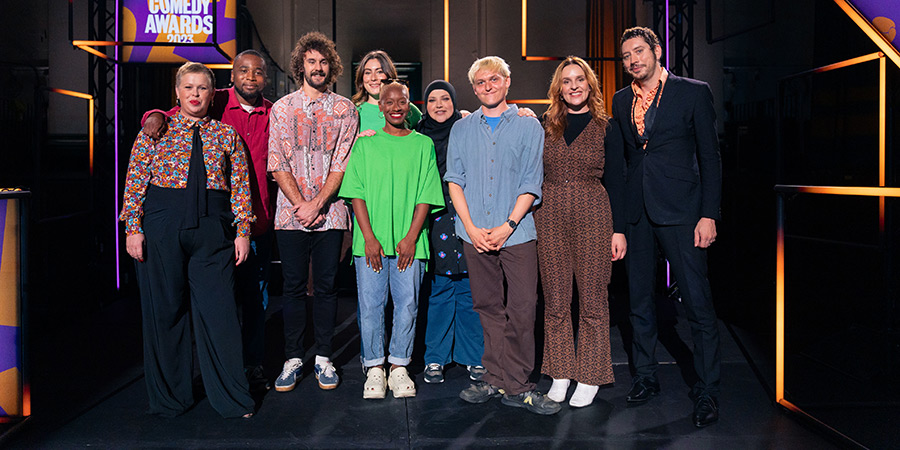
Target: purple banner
180,25
884,15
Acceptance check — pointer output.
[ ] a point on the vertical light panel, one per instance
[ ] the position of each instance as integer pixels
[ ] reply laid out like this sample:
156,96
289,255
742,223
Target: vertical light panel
524,27
779,300
116,154
447,40
882,135
91,134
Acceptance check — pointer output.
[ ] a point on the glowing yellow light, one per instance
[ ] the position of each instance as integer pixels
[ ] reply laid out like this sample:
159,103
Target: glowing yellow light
90,100
447,40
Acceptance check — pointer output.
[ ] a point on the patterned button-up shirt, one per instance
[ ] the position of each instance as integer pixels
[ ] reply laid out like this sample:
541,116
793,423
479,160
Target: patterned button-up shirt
166,164
641,104
310,139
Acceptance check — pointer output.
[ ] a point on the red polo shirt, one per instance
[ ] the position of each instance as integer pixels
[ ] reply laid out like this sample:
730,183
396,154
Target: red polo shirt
253,127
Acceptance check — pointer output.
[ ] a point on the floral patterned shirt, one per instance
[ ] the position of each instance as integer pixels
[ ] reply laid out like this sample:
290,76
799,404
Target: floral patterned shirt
166,164
310,139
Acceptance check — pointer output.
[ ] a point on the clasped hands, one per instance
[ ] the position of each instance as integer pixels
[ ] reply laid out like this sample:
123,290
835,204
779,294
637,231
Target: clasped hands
309,214
489,239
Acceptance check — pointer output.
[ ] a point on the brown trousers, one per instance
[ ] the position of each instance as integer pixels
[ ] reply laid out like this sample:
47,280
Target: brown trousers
507,318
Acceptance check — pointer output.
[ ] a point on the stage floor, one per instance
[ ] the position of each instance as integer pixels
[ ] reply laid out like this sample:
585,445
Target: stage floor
91,393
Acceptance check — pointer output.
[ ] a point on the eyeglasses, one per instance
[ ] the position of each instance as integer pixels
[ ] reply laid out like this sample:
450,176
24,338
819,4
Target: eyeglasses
402,81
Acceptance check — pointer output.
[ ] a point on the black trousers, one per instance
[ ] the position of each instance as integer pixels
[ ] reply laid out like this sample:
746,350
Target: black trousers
689,266
188,275
297,248
251,282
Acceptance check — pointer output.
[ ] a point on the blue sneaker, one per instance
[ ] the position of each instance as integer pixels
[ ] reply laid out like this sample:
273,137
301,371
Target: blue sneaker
289,375
328,378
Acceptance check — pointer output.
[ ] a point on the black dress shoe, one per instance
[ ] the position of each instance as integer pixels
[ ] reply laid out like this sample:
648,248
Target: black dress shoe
706,411
642,389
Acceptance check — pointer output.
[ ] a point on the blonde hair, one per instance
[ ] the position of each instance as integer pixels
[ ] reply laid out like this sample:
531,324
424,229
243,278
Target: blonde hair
555,118
490,63
194,67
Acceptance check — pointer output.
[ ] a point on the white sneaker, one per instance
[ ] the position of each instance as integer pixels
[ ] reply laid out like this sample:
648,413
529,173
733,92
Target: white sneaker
583,396
558,390
401,384
375,383
289,375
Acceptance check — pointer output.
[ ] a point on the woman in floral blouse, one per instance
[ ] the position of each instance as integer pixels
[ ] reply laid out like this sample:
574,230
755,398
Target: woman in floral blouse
187,215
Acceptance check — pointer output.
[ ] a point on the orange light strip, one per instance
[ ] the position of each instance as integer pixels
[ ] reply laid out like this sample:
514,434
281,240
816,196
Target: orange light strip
524,27
870,31
90,100
841,190
228,66
72,93
542,101
101,43
86,46
779,305
543,58
839,65
447,40
882,136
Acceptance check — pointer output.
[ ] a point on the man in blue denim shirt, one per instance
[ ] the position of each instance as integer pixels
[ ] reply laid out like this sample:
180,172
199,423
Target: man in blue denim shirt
495,171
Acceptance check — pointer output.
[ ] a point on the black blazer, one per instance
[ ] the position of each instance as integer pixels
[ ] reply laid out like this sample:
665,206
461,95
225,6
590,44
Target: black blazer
678,176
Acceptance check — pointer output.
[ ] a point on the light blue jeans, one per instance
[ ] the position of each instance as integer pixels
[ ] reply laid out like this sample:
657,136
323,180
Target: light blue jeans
373,296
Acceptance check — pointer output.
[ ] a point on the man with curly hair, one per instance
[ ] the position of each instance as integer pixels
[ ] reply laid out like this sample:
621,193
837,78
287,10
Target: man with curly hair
311,132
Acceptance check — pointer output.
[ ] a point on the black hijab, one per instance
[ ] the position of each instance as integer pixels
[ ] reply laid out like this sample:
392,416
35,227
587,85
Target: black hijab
439,132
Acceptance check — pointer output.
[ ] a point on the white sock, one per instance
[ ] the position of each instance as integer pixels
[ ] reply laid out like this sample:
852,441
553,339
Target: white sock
558,390
584,395
321,360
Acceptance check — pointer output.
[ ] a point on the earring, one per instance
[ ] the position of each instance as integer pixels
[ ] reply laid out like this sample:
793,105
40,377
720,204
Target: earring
178,102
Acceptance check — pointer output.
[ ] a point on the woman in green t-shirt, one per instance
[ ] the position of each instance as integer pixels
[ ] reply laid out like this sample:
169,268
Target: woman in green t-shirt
373,68
392,181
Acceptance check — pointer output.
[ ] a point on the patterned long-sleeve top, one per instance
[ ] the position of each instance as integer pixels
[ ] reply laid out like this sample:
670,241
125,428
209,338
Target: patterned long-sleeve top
310,139
165,164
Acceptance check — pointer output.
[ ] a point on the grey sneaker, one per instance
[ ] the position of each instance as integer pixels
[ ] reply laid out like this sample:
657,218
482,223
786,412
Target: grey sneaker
476,372
434,373
289,375
480,392
328,378
533,401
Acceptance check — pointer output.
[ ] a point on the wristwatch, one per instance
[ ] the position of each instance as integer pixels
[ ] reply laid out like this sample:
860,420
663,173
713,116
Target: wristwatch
512,224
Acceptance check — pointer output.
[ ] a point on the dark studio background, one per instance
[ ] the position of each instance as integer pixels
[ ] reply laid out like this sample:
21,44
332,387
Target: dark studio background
843,346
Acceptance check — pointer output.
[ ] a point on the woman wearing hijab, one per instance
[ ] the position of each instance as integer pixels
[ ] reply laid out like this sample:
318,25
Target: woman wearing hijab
453,331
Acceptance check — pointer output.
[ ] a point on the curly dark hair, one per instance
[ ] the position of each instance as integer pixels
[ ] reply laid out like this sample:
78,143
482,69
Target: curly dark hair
642,32
320,43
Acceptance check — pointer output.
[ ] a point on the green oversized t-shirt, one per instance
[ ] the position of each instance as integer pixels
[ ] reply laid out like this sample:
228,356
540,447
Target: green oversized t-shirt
371,118
392,174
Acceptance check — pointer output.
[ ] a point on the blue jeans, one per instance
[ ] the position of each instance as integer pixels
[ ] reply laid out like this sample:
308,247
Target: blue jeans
453,328
373,295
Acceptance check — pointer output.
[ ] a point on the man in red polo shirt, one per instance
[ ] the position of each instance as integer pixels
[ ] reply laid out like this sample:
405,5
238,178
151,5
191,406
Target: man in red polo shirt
243,107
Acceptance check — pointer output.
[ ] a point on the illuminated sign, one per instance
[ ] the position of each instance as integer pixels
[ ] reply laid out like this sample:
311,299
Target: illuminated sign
173,31
882,14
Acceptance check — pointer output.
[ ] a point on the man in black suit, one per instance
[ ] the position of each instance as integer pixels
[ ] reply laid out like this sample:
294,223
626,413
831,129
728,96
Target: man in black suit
673,190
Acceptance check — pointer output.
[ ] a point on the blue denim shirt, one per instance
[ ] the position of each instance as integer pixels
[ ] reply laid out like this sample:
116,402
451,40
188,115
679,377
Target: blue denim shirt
493,169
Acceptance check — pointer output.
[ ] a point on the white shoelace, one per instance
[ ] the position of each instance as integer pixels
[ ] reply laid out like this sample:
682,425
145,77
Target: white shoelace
289,367
327,369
